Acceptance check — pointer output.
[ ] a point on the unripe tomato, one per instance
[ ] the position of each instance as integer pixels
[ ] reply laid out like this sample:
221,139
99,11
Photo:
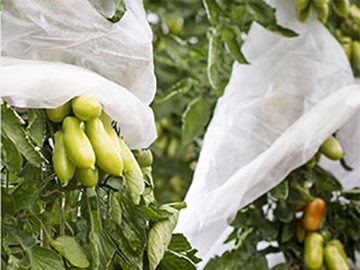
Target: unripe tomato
130,163
86,108
63,167
332,149
346,43
302,4
87,177
340,248
304,14
173,147
323,12
107,156
356,52
334,260
313,214
319,3
77,144
342,7
175,25
58,114
314,252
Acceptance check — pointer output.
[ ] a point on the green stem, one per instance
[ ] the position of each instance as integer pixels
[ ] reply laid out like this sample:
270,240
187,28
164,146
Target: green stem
47,224
61,211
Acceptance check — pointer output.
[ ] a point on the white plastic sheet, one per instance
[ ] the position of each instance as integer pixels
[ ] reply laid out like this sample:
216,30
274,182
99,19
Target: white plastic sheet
75,33
272,118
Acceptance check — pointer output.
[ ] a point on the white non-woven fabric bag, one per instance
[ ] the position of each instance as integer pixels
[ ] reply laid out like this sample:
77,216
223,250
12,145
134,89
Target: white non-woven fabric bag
274,115
60,49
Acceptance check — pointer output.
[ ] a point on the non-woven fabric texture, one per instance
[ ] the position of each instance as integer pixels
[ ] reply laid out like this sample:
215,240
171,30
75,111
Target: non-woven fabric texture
274,115
76,33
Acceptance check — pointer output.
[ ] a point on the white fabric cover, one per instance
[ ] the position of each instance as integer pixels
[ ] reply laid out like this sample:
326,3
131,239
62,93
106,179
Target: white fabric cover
272,118
75,33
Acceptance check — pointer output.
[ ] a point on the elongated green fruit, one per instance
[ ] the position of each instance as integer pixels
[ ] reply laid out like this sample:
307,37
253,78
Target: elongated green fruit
346,43
86,108
63,167
356,52
87,177
323,12
341,249
77,145
342,7
107,156
304,14
58,114
130,162
319,3
314,252
301,4
334,260
332,149
144,158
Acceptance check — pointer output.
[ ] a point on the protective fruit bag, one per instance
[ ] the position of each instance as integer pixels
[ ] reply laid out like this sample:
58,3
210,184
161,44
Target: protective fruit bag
54,51
273,117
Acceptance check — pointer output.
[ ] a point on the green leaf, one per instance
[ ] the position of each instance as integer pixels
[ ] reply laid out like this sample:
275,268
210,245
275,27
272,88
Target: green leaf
7,203
37,126
155,213
41,258
131,236
179,243
219,63
352,194
115,210
107,249
287,232
284,212
10,156
212,10
71,250
229,38
195,118
181,87
264,14
325,180
281,191
136,185
176,261
160,237
28,191
11,126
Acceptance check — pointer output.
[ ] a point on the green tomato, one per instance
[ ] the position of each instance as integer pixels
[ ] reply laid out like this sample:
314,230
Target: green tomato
58,114
86,108
63,167
77,144
314,251
332,149
107,156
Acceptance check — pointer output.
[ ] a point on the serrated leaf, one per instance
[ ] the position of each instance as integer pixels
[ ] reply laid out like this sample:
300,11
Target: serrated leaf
195,118
41,258
136,185
281,191
11,126
37,126
352,194
160,237
71,250
176,261
179,243
10,156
